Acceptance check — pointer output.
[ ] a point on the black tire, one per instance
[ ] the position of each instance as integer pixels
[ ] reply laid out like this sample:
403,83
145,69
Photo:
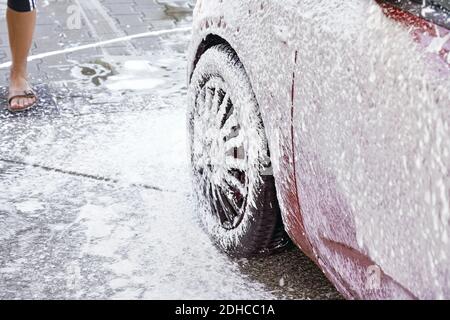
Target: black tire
230,158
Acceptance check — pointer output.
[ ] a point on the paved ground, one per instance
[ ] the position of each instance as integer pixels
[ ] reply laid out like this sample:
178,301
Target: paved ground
95,197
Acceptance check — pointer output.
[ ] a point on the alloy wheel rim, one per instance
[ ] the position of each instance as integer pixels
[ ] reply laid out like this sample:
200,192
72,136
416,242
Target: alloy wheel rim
219,156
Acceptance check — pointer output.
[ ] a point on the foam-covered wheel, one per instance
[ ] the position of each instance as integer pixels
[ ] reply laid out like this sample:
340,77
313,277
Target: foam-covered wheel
231,166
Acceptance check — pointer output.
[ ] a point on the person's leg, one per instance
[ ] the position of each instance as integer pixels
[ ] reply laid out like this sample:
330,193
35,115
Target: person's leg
21,19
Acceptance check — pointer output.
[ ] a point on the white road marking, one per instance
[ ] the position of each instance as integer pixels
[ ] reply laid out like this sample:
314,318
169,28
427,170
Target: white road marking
102,43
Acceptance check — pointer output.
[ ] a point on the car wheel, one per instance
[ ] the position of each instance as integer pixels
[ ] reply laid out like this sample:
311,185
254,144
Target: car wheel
232,174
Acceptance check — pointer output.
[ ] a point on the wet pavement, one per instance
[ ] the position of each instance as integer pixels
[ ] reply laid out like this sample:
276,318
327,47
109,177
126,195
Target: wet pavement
95,197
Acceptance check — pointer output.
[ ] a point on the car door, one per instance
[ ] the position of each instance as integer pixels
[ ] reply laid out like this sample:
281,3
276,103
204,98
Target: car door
371,143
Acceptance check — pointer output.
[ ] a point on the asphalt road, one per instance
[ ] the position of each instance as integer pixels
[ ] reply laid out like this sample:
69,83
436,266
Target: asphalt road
95,194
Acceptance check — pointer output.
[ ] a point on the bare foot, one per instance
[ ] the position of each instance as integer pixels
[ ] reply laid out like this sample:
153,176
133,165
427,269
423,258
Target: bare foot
18,86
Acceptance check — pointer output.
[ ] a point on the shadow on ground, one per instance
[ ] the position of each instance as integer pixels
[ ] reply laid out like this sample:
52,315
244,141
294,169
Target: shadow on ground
290,273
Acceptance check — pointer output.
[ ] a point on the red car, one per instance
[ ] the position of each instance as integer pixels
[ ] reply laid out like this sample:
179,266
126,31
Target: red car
327,121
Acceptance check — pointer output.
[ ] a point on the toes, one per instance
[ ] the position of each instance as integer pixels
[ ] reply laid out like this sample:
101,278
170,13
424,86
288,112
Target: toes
25,103
31,100
22,103
14,104
17,104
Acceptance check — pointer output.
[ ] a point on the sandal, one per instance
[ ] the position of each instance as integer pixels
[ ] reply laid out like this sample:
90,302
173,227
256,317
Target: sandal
21,94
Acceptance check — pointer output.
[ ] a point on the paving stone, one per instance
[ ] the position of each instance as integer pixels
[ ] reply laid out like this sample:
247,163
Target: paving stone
120,9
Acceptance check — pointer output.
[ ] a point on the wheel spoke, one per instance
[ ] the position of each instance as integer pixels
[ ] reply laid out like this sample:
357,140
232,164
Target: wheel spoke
201,100
215,101
236,163
208,130
222,110
230,197
235,183
213,200
234,142
227,210
230,123
208,100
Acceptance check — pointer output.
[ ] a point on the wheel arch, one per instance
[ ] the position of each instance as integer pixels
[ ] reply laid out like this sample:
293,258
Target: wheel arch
207,42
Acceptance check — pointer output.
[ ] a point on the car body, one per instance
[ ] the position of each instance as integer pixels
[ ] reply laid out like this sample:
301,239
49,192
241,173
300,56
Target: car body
355,100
